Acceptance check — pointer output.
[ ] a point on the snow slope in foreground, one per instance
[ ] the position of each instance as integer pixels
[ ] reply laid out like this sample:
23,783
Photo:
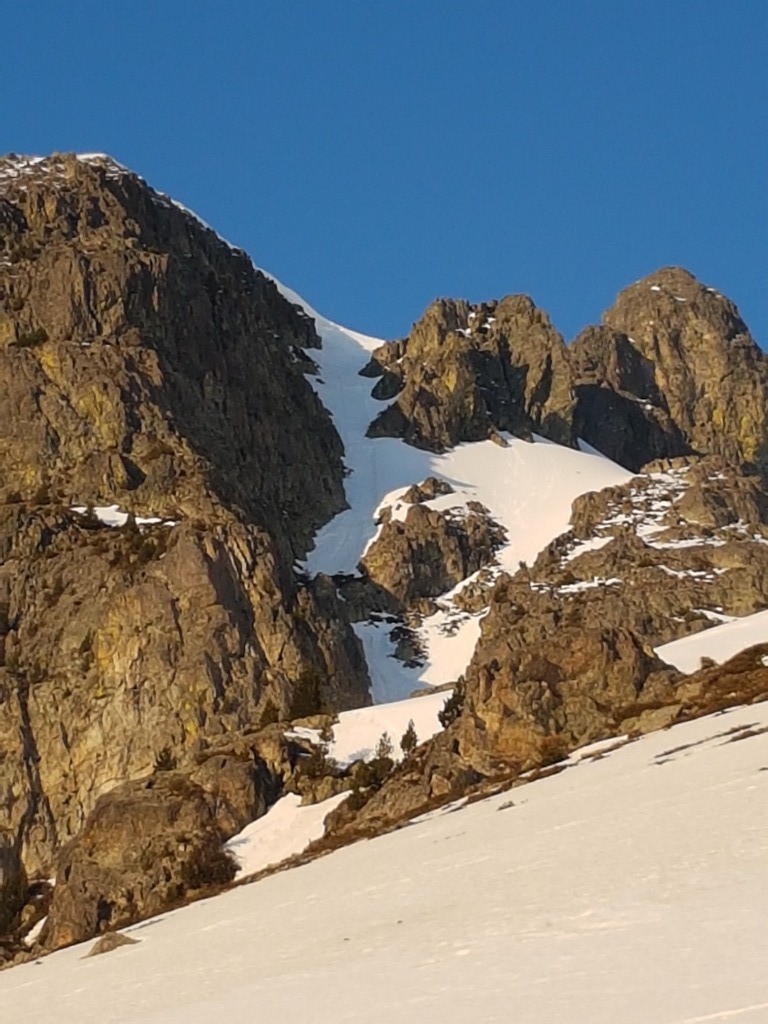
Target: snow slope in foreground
629,889
718,642
528,488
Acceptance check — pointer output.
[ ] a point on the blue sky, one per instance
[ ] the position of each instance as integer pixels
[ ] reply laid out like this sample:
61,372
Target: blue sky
376,155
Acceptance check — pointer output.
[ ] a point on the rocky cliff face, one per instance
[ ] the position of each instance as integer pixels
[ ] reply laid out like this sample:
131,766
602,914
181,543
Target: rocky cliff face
146,362
146,365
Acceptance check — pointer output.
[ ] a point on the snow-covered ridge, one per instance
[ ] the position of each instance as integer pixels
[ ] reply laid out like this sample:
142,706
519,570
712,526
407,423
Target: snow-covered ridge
14,166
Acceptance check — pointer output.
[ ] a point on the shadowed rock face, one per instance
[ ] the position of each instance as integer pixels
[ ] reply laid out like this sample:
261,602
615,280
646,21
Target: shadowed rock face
620,409
13,883
673,370
145,363
467,372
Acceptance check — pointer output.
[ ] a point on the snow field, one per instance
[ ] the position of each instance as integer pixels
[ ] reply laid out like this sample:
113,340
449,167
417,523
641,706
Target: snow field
287,828
357,732
718,642
631,888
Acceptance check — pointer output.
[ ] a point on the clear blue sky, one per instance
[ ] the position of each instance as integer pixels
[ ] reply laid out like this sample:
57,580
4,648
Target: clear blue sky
374,155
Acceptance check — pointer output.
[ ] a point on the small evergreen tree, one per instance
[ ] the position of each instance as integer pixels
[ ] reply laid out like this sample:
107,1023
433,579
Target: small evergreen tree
270,715
410,740
384,747
381,764
453,706
315,765
306,699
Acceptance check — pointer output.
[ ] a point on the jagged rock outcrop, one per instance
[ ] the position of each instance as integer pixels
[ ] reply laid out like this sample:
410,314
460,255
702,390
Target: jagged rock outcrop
666,554
672,494
533,692
535,675
538,725
673,370
431,488
430,550
566,655
146,364
467,372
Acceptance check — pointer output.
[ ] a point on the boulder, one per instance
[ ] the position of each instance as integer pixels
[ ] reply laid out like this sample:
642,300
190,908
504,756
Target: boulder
146,847
111,941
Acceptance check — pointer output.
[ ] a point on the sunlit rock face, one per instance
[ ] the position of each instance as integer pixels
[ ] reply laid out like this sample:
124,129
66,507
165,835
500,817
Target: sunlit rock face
673,370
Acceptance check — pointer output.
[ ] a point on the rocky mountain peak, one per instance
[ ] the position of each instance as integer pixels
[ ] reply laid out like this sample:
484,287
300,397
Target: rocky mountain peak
673,299
672,370
467,372
147,361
